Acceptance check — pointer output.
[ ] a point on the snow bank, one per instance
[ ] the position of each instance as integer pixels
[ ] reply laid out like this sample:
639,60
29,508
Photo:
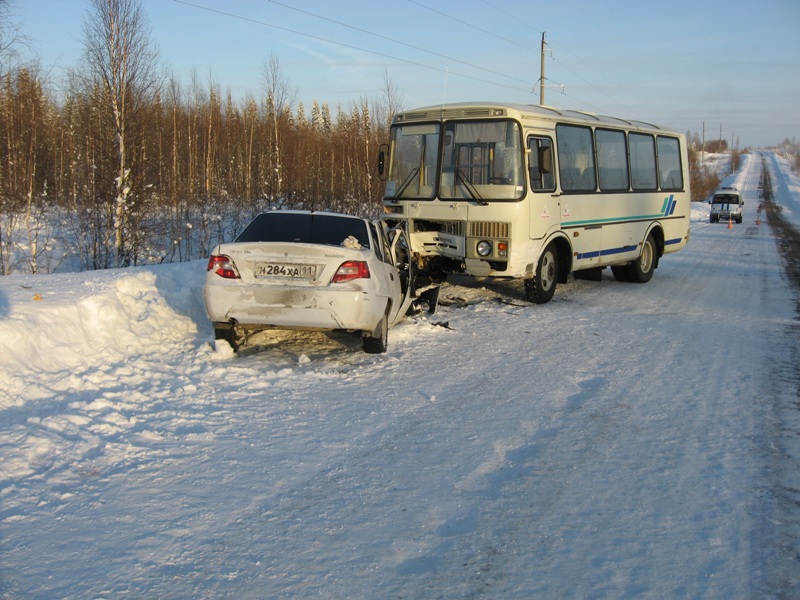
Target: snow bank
56,328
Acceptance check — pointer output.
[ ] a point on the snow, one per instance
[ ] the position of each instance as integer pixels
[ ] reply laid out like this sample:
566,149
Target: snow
785,187
622,441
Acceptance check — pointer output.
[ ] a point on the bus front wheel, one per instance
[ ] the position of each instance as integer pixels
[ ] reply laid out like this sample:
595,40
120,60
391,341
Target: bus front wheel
542,286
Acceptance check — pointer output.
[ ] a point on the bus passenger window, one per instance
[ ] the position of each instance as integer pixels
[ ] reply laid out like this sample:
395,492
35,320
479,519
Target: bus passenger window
612,160
643,162
670,174
576,158
541,164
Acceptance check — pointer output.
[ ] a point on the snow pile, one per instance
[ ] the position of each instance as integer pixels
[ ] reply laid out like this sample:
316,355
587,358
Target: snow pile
61,327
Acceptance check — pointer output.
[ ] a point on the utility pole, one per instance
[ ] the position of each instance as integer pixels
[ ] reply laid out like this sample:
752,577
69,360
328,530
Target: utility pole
541,81
703,155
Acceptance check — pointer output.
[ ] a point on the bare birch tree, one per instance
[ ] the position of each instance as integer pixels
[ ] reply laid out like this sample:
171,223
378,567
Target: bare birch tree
11,36
279,99
391,103
122,59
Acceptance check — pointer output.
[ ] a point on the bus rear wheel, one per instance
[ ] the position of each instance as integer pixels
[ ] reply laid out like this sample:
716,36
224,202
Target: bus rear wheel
541,288
641,269
620,273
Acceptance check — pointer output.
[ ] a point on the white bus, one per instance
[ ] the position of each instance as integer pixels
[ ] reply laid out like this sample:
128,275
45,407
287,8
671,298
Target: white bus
537,193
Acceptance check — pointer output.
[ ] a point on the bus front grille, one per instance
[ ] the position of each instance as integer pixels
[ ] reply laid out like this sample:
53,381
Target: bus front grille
488,229
451,227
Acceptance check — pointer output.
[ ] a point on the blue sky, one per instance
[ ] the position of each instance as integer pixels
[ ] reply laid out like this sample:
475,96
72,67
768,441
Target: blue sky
734,64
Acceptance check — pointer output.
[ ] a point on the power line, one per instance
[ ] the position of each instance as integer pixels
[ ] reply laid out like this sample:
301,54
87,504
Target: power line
350,46
588,83
389,39
452,18
562,64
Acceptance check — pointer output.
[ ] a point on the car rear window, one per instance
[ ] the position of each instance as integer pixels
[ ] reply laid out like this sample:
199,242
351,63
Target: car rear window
329,230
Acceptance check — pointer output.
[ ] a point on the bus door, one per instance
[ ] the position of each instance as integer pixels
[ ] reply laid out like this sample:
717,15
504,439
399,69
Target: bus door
545,209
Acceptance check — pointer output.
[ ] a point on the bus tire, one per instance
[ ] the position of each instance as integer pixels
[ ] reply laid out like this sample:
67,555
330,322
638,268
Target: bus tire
620,273
542,286
641,269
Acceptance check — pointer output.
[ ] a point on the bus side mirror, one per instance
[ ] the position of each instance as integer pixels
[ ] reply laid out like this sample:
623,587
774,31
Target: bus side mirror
382,159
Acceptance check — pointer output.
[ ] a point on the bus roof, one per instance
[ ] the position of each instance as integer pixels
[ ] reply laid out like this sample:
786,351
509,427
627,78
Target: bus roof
462,110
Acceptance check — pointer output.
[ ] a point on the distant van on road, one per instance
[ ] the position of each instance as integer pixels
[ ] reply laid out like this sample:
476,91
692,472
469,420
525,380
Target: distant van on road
727,204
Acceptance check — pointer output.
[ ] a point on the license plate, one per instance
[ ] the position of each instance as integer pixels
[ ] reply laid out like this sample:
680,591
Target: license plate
284,270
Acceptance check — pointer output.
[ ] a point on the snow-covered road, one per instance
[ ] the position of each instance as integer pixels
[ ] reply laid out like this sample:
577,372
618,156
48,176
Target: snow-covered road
622,441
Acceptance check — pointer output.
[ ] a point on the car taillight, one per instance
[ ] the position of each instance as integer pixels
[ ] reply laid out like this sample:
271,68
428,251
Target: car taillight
350,270
222,266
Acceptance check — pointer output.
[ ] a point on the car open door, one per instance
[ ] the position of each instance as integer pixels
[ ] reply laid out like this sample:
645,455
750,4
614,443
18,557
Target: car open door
417,290
400,263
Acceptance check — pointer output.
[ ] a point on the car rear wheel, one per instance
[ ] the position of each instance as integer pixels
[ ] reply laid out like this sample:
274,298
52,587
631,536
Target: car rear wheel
376,343
226,332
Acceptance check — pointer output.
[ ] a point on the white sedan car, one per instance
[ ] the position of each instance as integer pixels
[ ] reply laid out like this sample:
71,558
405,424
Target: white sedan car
311,271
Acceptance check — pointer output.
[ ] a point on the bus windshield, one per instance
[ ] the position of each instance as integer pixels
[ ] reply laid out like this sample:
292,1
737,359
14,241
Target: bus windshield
413,162
481,161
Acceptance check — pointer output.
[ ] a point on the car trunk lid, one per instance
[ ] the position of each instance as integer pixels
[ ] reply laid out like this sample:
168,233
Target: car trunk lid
290,264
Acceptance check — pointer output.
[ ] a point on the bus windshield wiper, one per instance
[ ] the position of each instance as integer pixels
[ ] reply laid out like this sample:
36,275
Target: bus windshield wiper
406,182
470,188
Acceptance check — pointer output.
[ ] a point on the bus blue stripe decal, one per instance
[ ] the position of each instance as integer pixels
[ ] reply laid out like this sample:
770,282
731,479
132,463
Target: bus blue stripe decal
611,220
610,251
606,252
667,209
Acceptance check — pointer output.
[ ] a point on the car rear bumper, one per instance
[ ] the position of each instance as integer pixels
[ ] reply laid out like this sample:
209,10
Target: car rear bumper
294,308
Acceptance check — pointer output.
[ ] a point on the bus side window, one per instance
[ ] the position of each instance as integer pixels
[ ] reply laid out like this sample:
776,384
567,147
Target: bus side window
643,162
612,160
576,166
541,164
670,174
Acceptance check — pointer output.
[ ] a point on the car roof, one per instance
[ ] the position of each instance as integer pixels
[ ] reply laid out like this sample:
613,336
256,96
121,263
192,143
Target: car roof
311,213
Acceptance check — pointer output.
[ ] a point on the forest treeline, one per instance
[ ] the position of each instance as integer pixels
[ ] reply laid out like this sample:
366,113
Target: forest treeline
197,162
127,166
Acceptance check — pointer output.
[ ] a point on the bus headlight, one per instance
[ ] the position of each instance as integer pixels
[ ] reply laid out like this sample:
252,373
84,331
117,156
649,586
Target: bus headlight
484,248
